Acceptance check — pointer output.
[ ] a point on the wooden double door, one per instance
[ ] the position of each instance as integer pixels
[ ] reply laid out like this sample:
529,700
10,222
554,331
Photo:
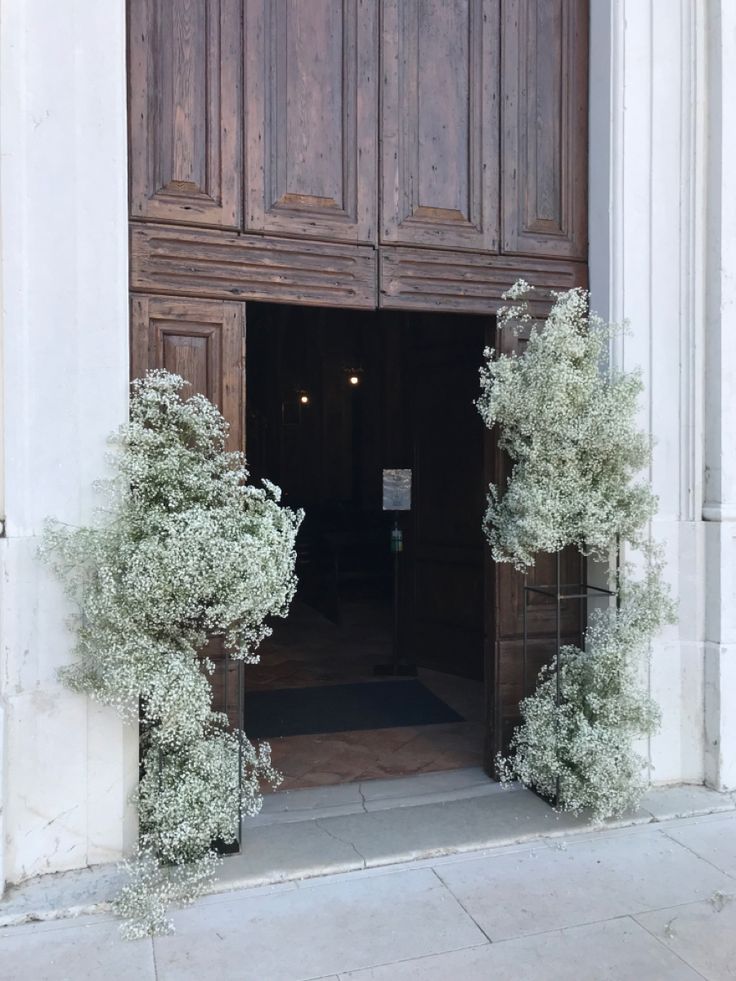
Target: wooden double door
394,154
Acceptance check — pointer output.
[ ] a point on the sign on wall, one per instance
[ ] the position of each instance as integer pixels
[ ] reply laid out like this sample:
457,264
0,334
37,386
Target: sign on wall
397,490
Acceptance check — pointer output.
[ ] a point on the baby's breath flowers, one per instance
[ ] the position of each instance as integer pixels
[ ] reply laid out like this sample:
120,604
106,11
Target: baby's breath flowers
187,550
583,746
569,428
568,424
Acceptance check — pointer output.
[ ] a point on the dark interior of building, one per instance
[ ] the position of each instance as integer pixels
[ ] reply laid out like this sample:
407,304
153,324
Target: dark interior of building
334,398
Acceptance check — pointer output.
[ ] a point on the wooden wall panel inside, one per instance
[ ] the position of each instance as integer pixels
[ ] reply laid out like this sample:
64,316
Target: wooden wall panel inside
312,93
196,262
544,84
433,279
185,110
201,340
440,123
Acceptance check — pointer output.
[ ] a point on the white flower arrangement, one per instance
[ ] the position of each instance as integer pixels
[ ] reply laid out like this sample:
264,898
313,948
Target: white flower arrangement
568,426
580,752
570,431
188,550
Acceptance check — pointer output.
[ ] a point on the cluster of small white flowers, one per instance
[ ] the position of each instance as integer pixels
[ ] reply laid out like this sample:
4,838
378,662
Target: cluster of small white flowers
583,745
188,550
569,428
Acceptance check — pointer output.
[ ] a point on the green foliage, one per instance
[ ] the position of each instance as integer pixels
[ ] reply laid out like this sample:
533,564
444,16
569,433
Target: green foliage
568,424
188,550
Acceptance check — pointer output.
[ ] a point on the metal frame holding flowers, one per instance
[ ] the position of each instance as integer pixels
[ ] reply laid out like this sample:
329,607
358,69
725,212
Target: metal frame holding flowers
567,420
187,550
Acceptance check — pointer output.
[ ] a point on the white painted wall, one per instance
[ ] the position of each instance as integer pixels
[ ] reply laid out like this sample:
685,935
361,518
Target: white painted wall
67,764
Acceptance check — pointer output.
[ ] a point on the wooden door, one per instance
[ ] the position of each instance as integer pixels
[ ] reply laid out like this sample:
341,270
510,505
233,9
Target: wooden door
544,82
201,340
439,123
445,551
185,110
507,682
311,130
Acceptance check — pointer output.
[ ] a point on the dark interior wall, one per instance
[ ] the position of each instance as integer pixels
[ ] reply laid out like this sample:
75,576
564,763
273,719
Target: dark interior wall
414,407
329,453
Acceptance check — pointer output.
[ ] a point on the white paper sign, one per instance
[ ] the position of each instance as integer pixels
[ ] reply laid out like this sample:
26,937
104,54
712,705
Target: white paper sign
397,490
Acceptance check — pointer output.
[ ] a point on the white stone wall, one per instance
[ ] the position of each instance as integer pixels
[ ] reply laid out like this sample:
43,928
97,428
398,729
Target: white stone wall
720,402
646,268
663,257
67,765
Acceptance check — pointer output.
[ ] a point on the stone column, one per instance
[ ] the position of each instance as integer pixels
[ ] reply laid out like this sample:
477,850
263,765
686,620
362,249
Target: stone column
67,764
647,225
719,509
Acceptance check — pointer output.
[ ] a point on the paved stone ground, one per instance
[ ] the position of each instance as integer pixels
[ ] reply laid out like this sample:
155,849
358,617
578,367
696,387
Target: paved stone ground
647,902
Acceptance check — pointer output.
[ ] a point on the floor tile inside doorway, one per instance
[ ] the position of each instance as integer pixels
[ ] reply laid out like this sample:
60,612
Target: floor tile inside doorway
310,650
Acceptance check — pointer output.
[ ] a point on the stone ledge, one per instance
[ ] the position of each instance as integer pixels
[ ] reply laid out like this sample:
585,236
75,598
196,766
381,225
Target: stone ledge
448,815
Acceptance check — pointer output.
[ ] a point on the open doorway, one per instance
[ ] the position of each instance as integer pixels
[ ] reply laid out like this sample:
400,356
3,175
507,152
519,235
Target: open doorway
334,397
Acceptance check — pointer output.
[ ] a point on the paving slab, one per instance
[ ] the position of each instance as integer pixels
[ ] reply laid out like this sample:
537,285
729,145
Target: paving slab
714,841
290,806
72,950
702,934
278,853
618,950
312,933
71,893
404,834
587,881
665,803
397,820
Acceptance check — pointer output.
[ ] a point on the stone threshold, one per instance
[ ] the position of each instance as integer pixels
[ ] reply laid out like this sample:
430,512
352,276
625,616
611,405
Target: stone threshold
304,834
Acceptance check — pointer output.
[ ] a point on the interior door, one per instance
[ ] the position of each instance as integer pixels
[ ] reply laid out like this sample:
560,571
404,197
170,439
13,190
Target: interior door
445,550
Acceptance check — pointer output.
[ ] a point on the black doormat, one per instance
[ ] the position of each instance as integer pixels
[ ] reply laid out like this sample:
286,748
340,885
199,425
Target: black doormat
341,708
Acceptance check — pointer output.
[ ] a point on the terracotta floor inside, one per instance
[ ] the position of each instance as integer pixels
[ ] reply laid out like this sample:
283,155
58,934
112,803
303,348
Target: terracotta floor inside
308,649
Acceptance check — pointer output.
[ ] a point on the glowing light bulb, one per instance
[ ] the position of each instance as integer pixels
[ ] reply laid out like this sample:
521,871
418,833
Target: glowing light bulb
304,398
354,380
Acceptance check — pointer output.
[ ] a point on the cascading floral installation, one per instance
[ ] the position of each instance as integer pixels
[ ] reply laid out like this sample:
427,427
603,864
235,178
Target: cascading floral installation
187,550
568,423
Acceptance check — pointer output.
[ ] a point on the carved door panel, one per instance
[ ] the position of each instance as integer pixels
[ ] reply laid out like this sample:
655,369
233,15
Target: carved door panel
201,340
439,123
544,81
312,84
509,681
185,78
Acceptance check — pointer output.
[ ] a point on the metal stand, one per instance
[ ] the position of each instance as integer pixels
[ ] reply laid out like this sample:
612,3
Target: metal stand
398,666
234,708
560,593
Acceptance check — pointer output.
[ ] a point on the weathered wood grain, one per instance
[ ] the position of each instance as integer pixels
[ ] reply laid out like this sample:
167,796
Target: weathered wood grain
201,340
208,263
430,279
311,124
544,82
440,123
185,110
